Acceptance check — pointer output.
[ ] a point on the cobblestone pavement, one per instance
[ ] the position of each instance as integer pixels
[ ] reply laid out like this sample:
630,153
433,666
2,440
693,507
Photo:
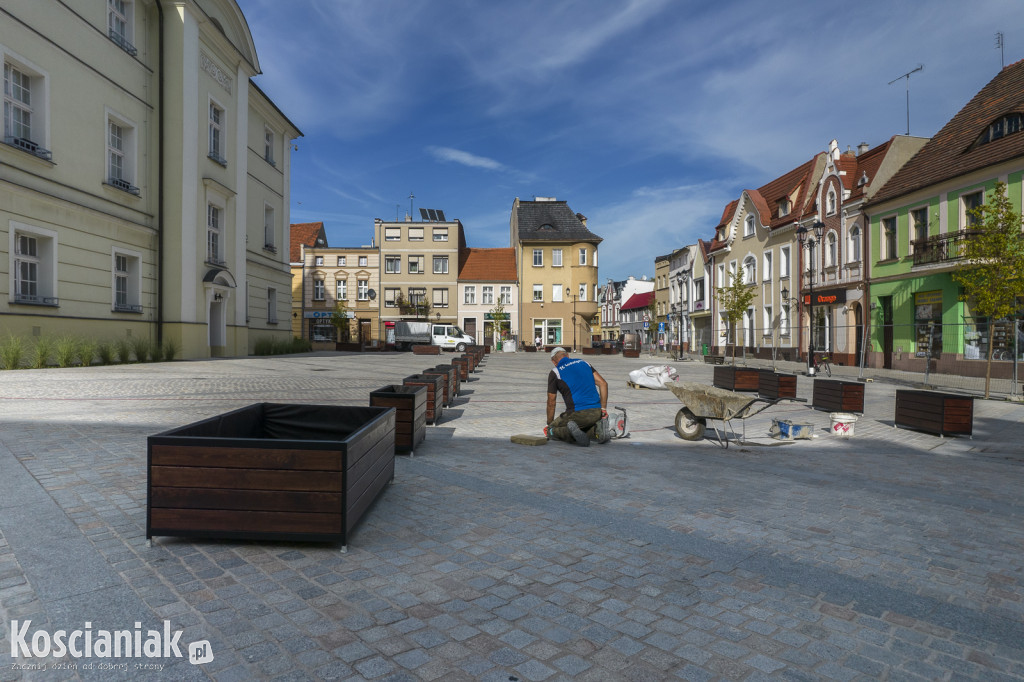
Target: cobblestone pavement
894,555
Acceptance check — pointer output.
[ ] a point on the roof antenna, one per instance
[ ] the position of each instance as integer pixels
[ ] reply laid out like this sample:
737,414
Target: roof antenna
411,197
1000,46
907,76
398,213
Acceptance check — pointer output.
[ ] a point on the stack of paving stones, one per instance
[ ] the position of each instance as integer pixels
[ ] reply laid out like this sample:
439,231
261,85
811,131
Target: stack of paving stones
894,555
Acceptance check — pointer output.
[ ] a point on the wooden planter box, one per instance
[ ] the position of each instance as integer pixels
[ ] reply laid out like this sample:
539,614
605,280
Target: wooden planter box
736,378
934,412
630,353
609,350
471,359
838,396
714,359
591,351
462,363
410,403
270,472
349,347
776,385
446,382
434,383
530,349
454,380
424,349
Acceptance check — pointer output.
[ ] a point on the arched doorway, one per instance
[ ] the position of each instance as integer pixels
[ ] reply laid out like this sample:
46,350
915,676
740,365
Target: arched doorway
218,285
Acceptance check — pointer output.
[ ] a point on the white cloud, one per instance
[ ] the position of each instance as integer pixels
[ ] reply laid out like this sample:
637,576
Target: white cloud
465,158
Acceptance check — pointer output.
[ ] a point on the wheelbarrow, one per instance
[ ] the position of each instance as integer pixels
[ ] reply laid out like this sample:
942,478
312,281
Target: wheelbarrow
702,403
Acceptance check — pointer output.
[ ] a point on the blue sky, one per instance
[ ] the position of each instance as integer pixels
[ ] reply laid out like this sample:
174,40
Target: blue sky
647,116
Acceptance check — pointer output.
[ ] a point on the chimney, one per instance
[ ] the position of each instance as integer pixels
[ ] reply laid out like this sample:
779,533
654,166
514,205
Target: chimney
582,218
862,148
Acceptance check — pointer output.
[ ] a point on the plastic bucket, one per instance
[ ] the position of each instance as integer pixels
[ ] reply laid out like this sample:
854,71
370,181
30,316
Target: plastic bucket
843,424
790,430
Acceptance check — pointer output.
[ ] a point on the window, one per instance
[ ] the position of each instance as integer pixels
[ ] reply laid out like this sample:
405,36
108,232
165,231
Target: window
919,224
721,276
469,295
783,207
556,258
783,321
268,146
392,234
271,305
749,270
440,234
595,260
34,265
417,296
487,295
127,282
416,265
783,262
24,117
217,134
119,24
831,250
556,293
855,244
538,258
415,234
390,296
583,292
767,267
363,290
549,331
969,204
341,261
440,298
748,226
767,321
318,289
538,293
888,242
269,240
341,289
1005,125
363,261
830,202
318,260
506,295
440,265
698,290
393,265
583,256
213,227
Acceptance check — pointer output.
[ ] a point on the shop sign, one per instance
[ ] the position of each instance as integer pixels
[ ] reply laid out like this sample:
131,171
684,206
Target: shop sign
826,297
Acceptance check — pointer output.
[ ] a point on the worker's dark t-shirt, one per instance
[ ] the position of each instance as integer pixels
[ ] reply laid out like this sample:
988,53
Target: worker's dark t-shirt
574,379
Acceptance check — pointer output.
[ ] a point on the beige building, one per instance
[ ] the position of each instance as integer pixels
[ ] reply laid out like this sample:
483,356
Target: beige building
349,275
145,188
303,236
659,325
419,269
556,264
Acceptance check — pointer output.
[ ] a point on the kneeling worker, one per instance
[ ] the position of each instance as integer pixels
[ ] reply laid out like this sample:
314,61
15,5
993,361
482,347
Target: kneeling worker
585,393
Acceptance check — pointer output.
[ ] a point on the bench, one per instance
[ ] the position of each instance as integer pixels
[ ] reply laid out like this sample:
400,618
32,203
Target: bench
774,385
736,378
270,472
834,395
934,412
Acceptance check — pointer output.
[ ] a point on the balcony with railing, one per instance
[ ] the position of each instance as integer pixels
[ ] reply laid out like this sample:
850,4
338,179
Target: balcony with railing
942,248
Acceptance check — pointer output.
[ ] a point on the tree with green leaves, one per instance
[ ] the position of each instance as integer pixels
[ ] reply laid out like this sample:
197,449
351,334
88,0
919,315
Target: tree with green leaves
992,274
733,301
340,320
498,316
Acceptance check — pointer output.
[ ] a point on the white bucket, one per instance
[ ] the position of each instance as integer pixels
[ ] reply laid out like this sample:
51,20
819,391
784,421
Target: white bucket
843,423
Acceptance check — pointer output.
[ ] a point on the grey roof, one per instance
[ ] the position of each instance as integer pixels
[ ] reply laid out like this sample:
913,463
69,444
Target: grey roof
551,221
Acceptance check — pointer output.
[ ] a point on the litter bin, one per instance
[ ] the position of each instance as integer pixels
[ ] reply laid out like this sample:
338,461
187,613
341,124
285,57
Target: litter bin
704,349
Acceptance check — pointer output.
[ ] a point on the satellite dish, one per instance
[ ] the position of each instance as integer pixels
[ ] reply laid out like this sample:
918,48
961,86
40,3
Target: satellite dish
372,294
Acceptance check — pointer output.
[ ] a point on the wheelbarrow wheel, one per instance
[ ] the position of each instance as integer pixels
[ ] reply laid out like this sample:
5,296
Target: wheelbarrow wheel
689,426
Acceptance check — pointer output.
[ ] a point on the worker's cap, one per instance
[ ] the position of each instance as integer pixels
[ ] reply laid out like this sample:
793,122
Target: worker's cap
557,350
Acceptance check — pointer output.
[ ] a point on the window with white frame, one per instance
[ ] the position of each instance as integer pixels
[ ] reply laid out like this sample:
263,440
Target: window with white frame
341,289
268,146
363,290
831,250
783,321
487,294
969,203
830,202
218,134
556,293
749,270
721,276
34,264
440,265
269,228
855,244
416,265
538,293
767,321
341,260
556,258
271,305
415,234
748,226
766,273
469,295
25,109
783,206
441,298
538,258
888,238
214,225
417,296
363,261
440,234
918,225
392,234
319,293
127,275
318,260
595,260
783,262
391,297
583,292
392,265
506,295
583,256
119,24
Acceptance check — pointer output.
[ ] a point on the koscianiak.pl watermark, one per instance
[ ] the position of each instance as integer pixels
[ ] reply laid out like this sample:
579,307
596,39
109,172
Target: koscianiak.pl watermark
100,649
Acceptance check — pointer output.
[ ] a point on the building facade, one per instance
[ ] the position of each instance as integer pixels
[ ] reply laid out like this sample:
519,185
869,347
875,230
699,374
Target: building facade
660,323
303,236
348,275
146,184
489,296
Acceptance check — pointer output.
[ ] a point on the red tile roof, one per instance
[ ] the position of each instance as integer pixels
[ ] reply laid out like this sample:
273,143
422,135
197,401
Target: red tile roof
487,265
949,154
305,233
638,301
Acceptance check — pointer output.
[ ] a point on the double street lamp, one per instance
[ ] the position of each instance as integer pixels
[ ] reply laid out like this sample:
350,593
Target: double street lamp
809,237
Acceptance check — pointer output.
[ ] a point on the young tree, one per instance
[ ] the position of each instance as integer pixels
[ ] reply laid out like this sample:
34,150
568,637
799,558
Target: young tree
733,301
993,272
340,320
498,316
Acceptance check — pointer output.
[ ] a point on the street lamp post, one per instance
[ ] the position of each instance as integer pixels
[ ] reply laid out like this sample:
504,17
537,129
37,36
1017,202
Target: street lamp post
808,238
568,292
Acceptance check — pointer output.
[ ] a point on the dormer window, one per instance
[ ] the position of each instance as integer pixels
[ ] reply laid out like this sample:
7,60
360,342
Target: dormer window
783,207
1001,127
748,226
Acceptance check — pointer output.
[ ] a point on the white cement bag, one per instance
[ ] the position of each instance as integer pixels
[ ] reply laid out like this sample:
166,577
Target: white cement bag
653,376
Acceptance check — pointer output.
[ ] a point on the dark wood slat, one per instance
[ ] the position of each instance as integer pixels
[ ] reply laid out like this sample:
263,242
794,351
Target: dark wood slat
168,521
245,479
255,500
247,458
